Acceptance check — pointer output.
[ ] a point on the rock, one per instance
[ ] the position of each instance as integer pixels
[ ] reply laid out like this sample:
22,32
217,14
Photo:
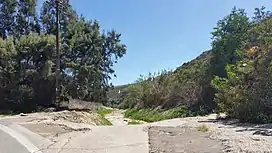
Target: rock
263,132
22,114
51,109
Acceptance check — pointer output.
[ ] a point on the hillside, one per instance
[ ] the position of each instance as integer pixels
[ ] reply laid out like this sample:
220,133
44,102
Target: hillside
116,99
234,77
203,57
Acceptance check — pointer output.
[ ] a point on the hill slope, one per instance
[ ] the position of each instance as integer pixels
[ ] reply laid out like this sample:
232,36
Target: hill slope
234,77
167,82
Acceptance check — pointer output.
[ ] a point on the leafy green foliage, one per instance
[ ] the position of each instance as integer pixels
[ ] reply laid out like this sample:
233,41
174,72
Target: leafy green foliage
93,71
147,115
133,122
26,18
103,111
151,115
27,66
24,70
7,17
114,96
150,92
246,90
234,77
187,86
105,122
230,35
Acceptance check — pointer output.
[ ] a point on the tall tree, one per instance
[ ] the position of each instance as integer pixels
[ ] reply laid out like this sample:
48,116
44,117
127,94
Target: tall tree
229,36
7,72
261,14
26,18
35,54
48,16
7,17
91,57
27,72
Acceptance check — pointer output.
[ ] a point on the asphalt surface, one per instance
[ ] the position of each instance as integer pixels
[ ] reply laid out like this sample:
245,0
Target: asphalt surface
10,145
181,139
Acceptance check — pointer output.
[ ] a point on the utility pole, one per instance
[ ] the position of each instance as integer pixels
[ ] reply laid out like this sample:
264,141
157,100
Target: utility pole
58,55
58,4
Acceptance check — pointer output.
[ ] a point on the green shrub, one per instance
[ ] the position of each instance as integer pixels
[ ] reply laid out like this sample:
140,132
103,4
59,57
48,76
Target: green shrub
151,115
189,85
134,122
147,115
103,111
178,112
243,88
105,122
235,77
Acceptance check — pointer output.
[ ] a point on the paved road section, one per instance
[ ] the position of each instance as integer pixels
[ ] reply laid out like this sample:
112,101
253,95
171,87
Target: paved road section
105,139
181,139
10,145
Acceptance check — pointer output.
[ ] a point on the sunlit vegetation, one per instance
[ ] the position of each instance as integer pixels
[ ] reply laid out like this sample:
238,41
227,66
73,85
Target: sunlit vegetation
28,56
234,77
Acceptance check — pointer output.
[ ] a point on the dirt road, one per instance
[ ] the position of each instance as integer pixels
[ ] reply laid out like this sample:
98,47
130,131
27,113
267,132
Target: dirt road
171,136
117,117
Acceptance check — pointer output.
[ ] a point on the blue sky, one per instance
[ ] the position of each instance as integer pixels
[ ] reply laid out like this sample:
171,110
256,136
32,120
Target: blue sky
160,34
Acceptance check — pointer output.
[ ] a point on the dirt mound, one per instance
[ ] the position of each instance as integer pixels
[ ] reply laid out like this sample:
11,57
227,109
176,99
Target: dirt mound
75,104
73,119
76,117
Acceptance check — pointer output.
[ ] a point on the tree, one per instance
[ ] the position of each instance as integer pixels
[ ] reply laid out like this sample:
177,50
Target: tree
261,14
27,66
7,71
91,57
245,93
35,55
7,17
26,18
48,16
229,36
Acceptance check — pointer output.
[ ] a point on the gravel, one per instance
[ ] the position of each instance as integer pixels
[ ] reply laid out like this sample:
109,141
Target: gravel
234,136
181,140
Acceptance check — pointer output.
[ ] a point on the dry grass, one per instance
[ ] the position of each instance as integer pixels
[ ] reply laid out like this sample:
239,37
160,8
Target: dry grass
203,128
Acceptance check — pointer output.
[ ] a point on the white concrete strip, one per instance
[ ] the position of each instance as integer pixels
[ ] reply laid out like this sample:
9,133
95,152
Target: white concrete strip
21,139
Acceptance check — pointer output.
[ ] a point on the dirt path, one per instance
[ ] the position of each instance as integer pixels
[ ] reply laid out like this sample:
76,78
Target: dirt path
169,136
117,117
